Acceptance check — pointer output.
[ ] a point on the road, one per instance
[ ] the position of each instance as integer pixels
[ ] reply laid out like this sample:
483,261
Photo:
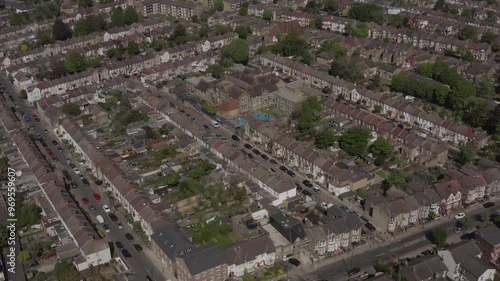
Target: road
139,263
390,250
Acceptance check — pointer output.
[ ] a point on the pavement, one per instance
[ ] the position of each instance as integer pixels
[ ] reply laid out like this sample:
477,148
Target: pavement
413,241
142,263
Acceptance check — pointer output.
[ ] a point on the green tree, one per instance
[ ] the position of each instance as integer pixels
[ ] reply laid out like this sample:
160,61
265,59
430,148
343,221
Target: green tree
219,5
209,108
461,95
486,216
397,20
381,147
133,48
330,6
216,71
355,141
243,31
467,154
243,11
60,30
338,48
221,29
267,14
130,15
179,31
74,62
360,30
292,44
425,69
71,109
347,68
238,51
23,255
439,237
307,58
85,3
172,178
18,19
43,37
118,18
82,27
64,271
27,214
488,37
399,83
4,235
468,13
440,95
467,32
367,12
24,47
324,139
398,179
467,224
23,94
485,89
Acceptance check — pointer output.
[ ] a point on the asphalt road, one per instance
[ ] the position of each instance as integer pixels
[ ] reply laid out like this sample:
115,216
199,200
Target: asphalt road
389,251
139,263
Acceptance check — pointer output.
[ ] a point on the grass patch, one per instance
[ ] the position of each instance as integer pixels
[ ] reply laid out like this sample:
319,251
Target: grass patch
212,232
382,173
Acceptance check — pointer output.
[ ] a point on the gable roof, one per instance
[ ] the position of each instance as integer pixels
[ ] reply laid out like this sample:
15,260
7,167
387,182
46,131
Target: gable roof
249,250
172,240
202,259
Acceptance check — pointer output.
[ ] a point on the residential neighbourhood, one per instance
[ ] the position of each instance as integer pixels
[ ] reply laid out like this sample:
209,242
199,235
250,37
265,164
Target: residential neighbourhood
249,140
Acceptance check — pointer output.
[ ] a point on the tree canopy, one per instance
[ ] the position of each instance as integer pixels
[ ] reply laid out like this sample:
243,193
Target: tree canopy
308,115
355,141
117,18
325,138
243,31
267,14
60,30
381,147
130,16
467,32
90,24
64,271
398,179
367,12
347,68
74,62
439,237
238,51
71,109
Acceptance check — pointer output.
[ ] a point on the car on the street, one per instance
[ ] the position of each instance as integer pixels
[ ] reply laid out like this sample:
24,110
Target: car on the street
106,228
256,152
307,183
126,254
265,157
50,153
59,149
54,142
149,278
306,193
119,245
206,127
46,131
235,138
44,144
458,230
294,261
68,178
283,168
129,237
85,201
324,205
315,189
247,146
26,118
55,159
345,209
488,204
96,196
106,208
113,217
426,253
119,224
298,187
290,173
370,226
37,119
73,184
354,270
85,182
34,115
460,216
31,128
273,162
38,137
250,155
272,170
137,247
65,172
92,209
76,170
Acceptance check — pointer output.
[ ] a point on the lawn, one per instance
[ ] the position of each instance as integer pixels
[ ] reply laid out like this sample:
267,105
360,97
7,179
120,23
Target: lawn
382,173
213,232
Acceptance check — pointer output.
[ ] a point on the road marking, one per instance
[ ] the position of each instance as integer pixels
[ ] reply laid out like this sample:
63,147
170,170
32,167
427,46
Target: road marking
379,255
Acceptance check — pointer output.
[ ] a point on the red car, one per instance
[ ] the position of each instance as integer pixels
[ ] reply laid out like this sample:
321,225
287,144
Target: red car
51,154
34,115
85,201
97,196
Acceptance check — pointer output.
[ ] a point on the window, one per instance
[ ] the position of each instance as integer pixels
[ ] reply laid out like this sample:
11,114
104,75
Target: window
217,268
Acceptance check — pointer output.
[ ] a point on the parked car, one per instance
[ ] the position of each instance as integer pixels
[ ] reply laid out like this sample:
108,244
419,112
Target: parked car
256,152
265,157
60,149
97,196
370,226
73,184
149,278
85,201
324,205
129,237
284,169
458,230
119,224
290,173
119,245
106,228
113,217
26,118
354,270
137,247
299,187
248,146
92,209
345,209
488,204
273,162
54,142
50,153
106,208
272,170
85,182
317,190
306,193
235,138
307,183
293,261
459,216
126,254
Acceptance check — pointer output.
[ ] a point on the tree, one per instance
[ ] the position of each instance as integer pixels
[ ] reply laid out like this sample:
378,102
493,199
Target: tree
216,71
4,235
23,94
267,14
467,224
243,11
74,62
24,47
23,255
467,154
221,29
381,147
488,37
355,141
337,48
367,12
398,179
440,95
43,37
243,31
468,13
467,32
17,19
172,178
130,15
179,31
71,109
64,271
397,20
425,69
485,89
461,95
324,139
209,108
360,30
133,48
60,30
85,3
330,6
27,214
117,18
439,237
238,51
219,5
347,68
399,83
486,216
292,44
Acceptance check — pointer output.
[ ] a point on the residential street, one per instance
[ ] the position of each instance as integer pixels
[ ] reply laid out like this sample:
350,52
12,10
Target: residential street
140,263
365,256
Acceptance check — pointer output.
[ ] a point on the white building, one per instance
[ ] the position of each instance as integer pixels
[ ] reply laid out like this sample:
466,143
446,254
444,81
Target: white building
251,255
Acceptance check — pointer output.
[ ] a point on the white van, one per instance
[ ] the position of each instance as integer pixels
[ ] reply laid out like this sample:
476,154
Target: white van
214,124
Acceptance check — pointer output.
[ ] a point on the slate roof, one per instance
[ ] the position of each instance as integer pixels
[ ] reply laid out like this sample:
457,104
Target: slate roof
248,250
202,259
490,234
172,240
